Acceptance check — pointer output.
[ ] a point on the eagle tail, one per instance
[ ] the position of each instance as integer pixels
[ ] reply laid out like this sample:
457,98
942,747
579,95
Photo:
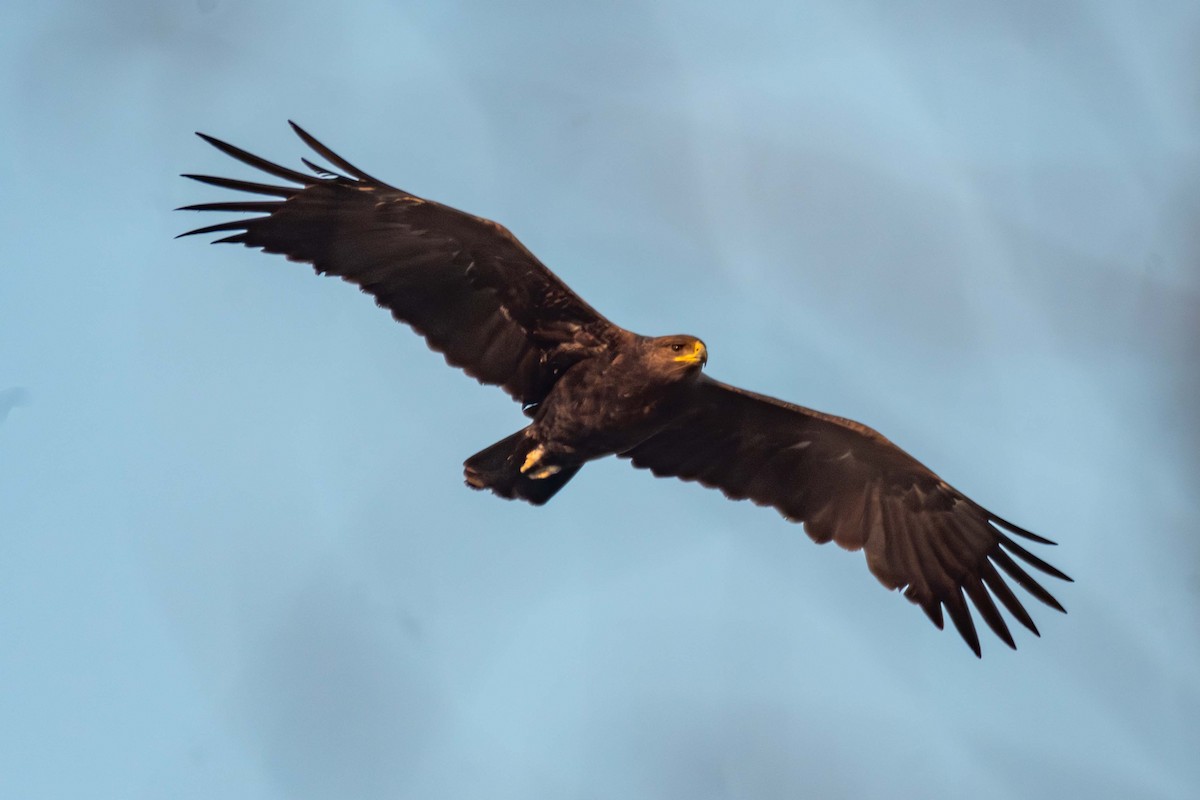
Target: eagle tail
499,468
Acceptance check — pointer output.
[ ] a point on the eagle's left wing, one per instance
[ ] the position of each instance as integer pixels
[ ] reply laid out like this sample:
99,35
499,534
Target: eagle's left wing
463,282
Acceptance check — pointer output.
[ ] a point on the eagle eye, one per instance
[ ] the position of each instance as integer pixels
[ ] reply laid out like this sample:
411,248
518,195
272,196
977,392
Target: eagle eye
677,347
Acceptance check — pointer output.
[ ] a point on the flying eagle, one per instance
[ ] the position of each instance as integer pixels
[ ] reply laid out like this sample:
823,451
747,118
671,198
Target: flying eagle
593,389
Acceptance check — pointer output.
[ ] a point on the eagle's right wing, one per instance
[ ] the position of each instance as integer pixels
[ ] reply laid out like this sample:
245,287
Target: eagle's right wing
849,484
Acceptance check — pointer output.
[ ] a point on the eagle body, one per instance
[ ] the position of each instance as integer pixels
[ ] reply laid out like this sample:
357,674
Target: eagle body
594,389
610,403
605,403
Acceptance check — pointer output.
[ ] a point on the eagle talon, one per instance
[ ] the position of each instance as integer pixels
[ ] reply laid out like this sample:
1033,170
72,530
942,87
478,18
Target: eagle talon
531,460
534,459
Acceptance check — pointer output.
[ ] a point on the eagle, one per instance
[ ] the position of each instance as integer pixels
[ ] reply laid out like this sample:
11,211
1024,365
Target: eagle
591,389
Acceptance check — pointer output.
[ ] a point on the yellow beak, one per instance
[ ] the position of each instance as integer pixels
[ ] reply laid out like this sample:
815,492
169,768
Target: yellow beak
699,354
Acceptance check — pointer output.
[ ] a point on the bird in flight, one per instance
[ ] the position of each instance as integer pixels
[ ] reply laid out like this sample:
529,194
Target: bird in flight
593,389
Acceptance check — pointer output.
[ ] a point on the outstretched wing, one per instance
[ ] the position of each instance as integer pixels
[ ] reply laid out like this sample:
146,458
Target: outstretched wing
465,283
850,485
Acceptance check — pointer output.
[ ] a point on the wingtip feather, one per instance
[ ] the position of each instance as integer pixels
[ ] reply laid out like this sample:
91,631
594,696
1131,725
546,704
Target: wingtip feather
237,225
257,162
1019,531
1034,561
333,157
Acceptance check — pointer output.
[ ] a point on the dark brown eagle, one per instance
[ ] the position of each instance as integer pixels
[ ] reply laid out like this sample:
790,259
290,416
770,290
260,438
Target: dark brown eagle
594,389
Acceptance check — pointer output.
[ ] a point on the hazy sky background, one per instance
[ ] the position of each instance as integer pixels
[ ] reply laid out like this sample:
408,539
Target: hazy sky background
236,556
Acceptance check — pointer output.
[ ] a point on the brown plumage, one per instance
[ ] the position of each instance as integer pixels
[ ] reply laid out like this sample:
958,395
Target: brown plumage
594,389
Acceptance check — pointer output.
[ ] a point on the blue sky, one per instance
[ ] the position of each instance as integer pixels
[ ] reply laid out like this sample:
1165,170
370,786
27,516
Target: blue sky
237,559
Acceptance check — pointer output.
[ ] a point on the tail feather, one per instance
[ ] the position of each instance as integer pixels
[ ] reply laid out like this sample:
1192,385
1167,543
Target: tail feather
499,468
